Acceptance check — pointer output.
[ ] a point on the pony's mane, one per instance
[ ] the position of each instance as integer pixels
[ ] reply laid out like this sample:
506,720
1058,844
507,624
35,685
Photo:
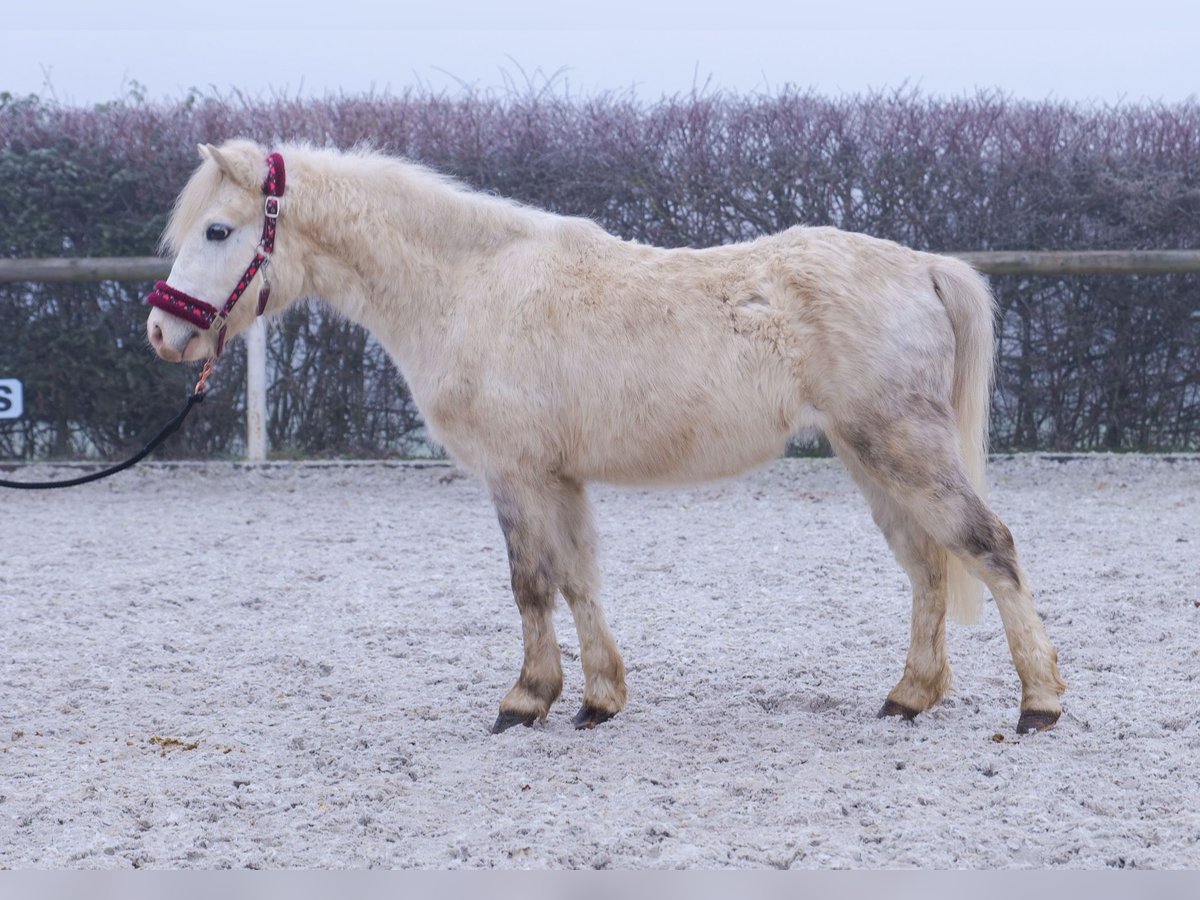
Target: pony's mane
426,188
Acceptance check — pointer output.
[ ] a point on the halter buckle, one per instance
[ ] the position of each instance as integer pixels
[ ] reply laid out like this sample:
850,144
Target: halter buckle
271,207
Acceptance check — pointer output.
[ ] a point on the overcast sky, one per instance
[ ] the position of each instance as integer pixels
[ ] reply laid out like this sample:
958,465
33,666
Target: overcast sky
1097,51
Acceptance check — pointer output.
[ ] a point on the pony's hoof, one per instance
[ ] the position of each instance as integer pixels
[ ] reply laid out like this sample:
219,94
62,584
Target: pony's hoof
590,716
1033,720
507,720
892,708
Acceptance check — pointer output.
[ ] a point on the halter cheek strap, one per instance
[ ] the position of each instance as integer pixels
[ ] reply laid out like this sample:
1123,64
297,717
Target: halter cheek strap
205,315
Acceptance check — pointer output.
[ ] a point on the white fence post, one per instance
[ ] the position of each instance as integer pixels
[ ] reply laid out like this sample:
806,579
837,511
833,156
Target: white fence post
256,392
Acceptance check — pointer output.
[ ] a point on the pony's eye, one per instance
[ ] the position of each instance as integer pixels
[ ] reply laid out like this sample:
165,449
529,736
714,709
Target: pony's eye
218,232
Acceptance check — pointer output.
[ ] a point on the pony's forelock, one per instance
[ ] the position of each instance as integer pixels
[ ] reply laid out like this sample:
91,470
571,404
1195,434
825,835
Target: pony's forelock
197,196
245,158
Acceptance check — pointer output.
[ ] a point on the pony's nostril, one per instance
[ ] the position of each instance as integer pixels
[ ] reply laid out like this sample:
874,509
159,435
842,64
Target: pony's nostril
156,336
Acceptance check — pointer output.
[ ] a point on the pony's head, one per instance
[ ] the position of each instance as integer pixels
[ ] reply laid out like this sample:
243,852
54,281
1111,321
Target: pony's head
222,234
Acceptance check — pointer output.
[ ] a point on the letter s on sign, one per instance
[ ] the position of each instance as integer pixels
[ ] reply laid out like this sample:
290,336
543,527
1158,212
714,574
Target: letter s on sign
11,405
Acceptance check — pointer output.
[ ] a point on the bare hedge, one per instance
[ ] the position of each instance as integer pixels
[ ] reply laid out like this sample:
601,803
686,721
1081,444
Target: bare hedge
1085,362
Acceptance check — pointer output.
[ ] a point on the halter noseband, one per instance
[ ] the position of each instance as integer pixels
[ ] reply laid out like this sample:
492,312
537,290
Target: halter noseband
206,316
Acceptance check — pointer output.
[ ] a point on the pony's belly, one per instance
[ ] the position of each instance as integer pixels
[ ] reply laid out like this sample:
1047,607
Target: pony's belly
685,456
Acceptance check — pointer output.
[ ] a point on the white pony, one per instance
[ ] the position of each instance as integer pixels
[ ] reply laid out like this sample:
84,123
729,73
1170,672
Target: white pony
545,353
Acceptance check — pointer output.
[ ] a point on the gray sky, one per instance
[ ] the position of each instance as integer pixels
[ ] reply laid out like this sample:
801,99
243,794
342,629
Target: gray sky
1099,51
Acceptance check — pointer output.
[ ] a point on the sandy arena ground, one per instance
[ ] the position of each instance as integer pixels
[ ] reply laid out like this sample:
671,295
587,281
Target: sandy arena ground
294,665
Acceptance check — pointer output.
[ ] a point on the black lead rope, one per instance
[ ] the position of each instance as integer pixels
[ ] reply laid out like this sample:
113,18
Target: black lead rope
169,429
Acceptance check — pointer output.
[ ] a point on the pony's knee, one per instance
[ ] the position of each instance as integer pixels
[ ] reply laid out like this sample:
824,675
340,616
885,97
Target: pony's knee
533,581
531,558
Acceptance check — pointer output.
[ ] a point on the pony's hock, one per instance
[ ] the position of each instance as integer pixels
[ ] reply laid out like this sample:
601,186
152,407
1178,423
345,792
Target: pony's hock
544,354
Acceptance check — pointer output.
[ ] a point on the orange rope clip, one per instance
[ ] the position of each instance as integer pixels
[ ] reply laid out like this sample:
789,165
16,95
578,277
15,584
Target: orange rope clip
202,384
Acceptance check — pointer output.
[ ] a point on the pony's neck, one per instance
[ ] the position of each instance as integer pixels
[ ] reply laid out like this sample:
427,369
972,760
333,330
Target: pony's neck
382,238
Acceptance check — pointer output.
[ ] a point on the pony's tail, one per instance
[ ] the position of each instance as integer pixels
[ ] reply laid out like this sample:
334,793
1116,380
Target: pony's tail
971,310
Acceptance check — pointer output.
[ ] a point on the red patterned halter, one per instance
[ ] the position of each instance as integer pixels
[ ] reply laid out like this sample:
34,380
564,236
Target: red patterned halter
207,316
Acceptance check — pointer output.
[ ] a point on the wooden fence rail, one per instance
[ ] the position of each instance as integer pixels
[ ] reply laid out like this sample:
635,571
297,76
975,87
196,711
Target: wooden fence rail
1082,262
96,268
991,262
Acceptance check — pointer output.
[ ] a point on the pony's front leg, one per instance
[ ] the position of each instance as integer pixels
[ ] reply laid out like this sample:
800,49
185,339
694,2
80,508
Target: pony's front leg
526,519
603,670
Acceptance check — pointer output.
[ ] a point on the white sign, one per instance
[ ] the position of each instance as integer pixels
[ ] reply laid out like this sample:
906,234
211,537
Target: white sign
11,399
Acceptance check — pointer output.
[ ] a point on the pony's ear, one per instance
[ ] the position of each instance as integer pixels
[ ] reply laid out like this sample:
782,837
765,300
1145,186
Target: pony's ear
224,163
239,161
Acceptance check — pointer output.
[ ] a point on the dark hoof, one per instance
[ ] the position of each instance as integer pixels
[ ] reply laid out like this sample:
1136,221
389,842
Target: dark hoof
507,720
892,708
590,717
1032,720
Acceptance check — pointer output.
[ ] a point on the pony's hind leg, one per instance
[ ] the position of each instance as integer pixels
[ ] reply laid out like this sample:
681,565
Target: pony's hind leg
916,460
985,544
603,670
926,675
527,518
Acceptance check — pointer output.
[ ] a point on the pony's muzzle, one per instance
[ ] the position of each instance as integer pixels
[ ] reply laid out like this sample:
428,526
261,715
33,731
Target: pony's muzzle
173,340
